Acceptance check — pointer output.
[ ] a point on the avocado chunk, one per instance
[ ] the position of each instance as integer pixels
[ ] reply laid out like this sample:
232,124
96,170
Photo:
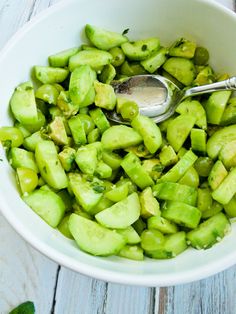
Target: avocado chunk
149,205
57,131
183,48
105,96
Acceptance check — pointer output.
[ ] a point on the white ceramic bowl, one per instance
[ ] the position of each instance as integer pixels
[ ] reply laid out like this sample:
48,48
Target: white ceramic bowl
60,27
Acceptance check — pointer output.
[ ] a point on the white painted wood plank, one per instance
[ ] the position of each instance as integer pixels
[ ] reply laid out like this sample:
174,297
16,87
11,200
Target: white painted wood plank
25,273
129,300
212,295
78,294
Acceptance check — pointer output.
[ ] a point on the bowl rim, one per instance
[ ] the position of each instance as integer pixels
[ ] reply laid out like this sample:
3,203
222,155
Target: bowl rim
150,280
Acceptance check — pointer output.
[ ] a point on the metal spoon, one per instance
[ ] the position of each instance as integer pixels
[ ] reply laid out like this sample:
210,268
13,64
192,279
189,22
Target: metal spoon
158,97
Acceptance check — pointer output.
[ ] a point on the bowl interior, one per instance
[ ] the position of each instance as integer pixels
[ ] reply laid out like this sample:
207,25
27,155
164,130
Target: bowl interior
61,27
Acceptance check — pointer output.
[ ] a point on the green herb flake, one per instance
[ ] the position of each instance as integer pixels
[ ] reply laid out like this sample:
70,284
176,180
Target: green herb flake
98,188
125,31
144,47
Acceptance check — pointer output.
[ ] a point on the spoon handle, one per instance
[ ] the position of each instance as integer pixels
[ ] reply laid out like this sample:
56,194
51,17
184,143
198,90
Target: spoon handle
229,84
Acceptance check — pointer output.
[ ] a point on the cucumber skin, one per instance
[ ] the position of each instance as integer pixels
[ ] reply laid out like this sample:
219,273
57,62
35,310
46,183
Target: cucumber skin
182,214
47,204
122,214
149,131
179,169
173,245
120,136
49,165
226,190
219,139
209,232
94,238
23,104
170,191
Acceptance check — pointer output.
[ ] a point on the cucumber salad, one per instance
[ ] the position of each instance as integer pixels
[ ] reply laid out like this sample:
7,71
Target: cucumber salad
135,190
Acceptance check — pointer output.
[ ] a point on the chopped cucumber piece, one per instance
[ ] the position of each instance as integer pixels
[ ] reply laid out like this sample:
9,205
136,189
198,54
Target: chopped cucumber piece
181,68
163,225
149,131
209,232
179,169
226,190
217,175
182,214
61,58
49,165
215,106
88,194
50,75
122,214
170,191
133,252
20,157
47,204
120,136
133,168
173,245
130,235
103,39
219,139
94,238
179,129
23,104
141,49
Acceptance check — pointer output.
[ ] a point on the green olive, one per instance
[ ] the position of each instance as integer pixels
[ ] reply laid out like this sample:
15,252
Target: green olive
203,166
201,56
11,134
118,56
151,239
129,110
27,178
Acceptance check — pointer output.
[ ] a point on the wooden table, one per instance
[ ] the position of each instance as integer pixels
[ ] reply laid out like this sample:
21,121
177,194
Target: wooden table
25,274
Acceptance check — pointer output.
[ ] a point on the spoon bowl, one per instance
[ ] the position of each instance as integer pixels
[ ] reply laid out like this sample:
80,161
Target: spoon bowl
157,97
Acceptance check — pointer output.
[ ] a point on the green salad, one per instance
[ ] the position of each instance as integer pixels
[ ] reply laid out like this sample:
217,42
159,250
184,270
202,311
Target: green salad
135,190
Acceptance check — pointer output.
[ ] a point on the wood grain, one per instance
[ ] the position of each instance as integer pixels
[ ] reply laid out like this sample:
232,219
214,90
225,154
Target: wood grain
25,273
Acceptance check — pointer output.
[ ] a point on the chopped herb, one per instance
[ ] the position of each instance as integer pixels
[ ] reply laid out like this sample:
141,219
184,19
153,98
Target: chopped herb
141,148
98,188
144,47
28,88
125,31
179,42
158,168
1,159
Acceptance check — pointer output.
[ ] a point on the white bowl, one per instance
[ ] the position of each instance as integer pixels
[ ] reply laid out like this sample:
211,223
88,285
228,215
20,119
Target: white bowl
60,27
